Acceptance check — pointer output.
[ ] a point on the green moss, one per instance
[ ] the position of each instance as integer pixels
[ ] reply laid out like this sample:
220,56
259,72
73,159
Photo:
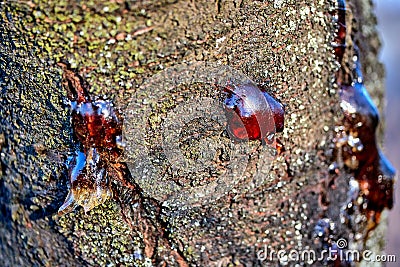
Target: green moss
257,38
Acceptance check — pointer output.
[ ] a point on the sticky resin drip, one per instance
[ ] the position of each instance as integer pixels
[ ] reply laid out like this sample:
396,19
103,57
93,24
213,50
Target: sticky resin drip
97,129
252,114
356,145
96,172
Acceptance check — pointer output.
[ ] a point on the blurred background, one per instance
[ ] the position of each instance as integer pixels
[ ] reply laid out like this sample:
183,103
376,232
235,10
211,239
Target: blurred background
388,14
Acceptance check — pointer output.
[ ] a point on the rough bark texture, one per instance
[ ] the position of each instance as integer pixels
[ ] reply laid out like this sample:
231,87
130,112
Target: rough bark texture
283,45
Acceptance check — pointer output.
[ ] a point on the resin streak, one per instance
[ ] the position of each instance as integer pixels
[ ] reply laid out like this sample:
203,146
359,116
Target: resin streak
356,137
97,129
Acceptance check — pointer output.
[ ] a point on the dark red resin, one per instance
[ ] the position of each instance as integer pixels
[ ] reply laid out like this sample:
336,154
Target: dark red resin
96,172
356,149
252,114
360,150
356,137
97,128
339,41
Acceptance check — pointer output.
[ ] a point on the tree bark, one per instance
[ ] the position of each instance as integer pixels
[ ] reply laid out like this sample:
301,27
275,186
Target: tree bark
156,59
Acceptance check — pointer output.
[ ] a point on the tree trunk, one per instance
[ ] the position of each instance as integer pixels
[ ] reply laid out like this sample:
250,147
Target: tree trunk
161,62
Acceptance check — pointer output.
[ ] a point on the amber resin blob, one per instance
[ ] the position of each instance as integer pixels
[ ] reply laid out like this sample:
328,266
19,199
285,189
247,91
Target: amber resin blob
356,145
252,114
194,128
247,112
97,130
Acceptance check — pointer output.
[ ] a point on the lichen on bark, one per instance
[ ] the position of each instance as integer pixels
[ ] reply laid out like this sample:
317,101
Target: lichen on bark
117,46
